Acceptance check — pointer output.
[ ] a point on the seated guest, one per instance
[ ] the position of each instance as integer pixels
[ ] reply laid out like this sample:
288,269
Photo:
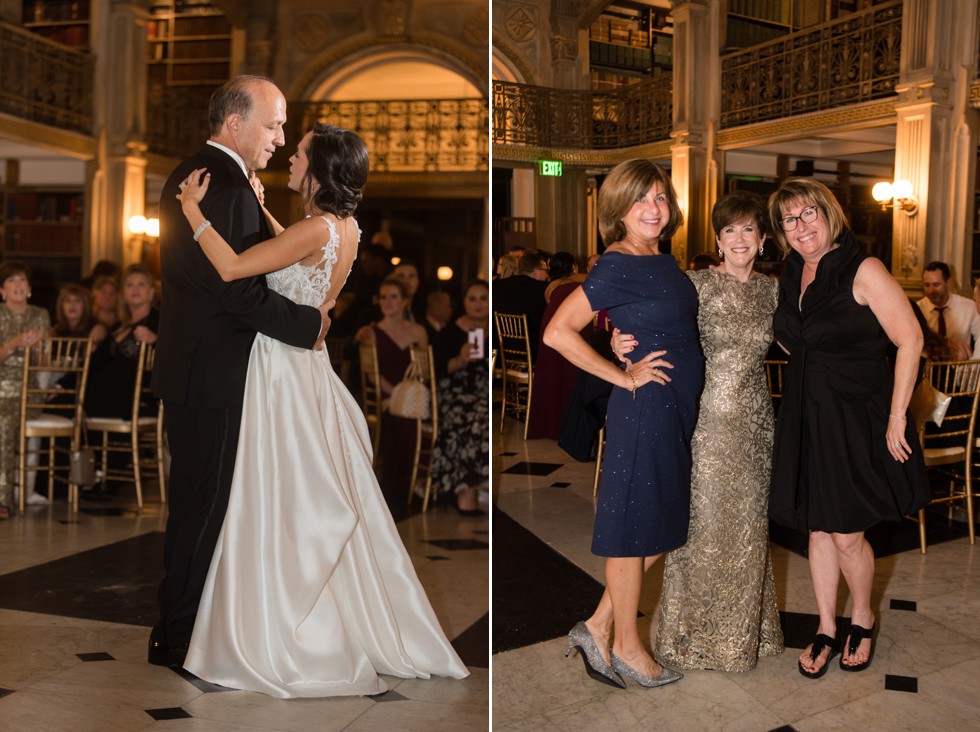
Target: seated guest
524,294
554,376
393,336
438,312
21,326
516,251
112,371
936,347
506,267
950,315
461,459
102,268
73,315
105,302
408,272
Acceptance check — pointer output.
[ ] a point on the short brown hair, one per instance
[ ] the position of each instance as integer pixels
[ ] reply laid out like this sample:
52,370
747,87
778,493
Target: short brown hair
11,267
739,206
625,184
807,191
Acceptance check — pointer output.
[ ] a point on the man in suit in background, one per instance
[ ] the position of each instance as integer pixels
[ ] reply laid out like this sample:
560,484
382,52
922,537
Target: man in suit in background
950,315
206,331
524,293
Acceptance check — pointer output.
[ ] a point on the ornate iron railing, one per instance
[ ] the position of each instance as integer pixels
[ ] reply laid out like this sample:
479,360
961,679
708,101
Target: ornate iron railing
568,118
846,61
418,135
45,82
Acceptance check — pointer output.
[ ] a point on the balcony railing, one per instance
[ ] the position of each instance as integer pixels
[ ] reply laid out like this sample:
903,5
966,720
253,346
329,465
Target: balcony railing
405,136
850,60
566,118
45,82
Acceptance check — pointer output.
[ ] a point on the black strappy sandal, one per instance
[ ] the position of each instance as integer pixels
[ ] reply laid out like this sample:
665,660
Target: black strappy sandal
854,637
820,642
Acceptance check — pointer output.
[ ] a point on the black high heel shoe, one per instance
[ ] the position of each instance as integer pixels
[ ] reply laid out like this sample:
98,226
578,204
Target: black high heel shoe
579,637
854,637
820,642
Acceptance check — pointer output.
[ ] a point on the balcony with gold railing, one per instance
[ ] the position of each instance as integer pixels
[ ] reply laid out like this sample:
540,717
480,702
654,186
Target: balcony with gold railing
846,61
45,82
540,117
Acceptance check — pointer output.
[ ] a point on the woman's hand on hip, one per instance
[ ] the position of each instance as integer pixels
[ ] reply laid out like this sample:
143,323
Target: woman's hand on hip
650,368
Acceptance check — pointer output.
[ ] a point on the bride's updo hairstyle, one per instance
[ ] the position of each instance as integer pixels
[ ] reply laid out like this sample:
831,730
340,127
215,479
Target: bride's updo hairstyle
338,161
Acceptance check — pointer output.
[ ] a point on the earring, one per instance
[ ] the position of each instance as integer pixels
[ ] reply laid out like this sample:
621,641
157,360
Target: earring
760,249
721,254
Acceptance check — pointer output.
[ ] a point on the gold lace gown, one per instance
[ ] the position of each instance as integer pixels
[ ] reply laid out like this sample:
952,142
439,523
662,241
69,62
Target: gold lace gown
718,605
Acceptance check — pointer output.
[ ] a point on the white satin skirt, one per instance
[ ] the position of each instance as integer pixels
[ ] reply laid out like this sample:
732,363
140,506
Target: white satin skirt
310,591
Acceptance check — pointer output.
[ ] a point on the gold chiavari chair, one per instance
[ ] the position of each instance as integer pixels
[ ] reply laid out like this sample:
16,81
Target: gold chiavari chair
775,369
426,429
337,349
516,366
599,454
372,401
50,410
948,448
144,432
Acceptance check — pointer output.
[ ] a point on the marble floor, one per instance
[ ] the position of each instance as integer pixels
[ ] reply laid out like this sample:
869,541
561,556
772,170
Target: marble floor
923,677
76,602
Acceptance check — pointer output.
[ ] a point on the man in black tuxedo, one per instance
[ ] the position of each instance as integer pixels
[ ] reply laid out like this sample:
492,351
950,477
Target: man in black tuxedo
206,331
524,293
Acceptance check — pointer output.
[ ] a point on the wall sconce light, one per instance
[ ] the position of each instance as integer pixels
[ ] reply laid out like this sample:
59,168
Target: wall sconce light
444,274
899,194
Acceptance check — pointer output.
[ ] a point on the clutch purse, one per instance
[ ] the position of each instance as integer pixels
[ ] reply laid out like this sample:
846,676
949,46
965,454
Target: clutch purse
928,404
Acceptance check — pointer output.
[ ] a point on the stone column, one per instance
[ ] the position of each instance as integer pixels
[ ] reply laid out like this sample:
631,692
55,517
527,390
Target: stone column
116,177
936,138
696,111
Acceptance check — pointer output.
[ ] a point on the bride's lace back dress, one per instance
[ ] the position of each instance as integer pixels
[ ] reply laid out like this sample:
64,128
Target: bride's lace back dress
310,591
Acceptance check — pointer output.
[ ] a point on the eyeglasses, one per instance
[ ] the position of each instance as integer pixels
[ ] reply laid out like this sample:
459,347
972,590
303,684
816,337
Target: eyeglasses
807,216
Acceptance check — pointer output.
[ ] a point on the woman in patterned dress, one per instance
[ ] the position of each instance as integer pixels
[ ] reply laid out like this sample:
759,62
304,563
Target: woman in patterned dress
718,608
21,326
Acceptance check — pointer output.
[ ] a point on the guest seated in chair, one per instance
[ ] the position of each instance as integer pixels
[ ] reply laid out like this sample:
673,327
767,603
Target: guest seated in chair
73,316
21,326
393,336
461,459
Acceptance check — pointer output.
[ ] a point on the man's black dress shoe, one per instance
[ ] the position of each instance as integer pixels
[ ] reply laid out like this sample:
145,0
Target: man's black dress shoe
160,655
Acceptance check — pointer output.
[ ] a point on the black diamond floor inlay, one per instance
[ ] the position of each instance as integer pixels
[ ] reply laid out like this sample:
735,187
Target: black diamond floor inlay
784,728
902,605
205,686
458,544
537,593
116,583
389,696
95,657
508,454
471,644
560,485
908,684
4,692
168,713
437,558
530,468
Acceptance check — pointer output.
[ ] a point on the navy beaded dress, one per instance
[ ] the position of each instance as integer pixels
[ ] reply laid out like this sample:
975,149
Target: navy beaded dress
645,490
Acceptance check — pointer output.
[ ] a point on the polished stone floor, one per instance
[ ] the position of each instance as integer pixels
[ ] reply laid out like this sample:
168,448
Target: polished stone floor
924,675
77,595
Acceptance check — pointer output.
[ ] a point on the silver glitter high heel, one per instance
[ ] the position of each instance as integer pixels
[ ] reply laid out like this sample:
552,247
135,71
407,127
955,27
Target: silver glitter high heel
626,671
579,637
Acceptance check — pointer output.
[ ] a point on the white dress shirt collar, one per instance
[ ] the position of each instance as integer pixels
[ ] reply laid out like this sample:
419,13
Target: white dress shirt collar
232,154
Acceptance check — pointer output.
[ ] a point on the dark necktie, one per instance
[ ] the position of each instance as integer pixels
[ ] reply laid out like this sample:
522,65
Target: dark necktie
941,324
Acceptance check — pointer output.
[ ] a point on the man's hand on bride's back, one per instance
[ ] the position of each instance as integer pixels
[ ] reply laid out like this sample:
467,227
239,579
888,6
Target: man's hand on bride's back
325,309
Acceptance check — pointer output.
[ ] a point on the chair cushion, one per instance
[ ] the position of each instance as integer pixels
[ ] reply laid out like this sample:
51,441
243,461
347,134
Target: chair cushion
47,421
109,423
943,455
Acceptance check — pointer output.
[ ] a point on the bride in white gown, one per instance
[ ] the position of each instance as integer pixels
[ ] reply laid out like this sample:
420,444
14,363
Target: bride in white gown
310,591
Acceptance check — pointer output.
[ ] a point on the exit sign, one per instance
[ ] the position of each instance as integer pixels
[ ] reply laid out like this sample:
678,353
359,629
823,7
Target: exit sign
551,167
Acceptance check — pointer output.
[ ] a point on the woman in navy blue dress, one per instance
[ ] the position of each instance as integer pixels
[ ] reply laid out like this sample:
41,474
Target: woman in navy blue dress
644,496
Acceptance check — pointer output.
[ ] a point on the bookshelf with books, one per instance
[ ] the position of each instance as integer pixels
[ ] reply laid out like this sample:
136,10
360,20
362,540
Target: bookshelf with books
627,42
751,22
188,44
62,21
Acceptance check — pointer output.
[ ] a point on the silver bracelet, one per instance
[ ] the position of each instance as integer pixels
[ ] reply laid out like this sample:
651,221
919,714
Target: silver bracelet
200,229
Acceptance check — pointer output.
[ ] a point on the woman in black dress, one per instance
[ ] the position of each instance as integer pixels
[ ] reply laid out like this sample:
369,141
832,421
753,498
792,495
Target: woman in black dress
846,455
644,495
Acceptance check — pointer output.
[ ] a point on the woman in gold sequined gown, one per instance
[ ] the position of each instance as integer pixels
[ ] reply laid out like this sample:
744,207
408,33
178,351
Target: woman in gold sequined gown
21,326
718,604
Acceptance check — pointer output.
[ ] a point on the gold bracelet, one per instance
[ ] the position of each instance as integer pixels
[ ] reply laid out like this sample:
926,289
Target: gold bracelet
899,416
633,379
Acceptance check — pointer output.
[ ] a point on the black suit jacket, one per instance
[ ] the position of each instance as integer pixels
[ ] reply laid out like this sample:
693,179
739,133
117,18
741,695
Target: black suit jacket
522,294
207,326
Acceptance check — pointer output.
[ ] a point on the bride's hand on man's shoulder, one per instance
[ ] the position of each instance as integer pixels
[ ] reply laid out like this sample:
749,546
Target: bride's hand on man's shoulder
193,187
